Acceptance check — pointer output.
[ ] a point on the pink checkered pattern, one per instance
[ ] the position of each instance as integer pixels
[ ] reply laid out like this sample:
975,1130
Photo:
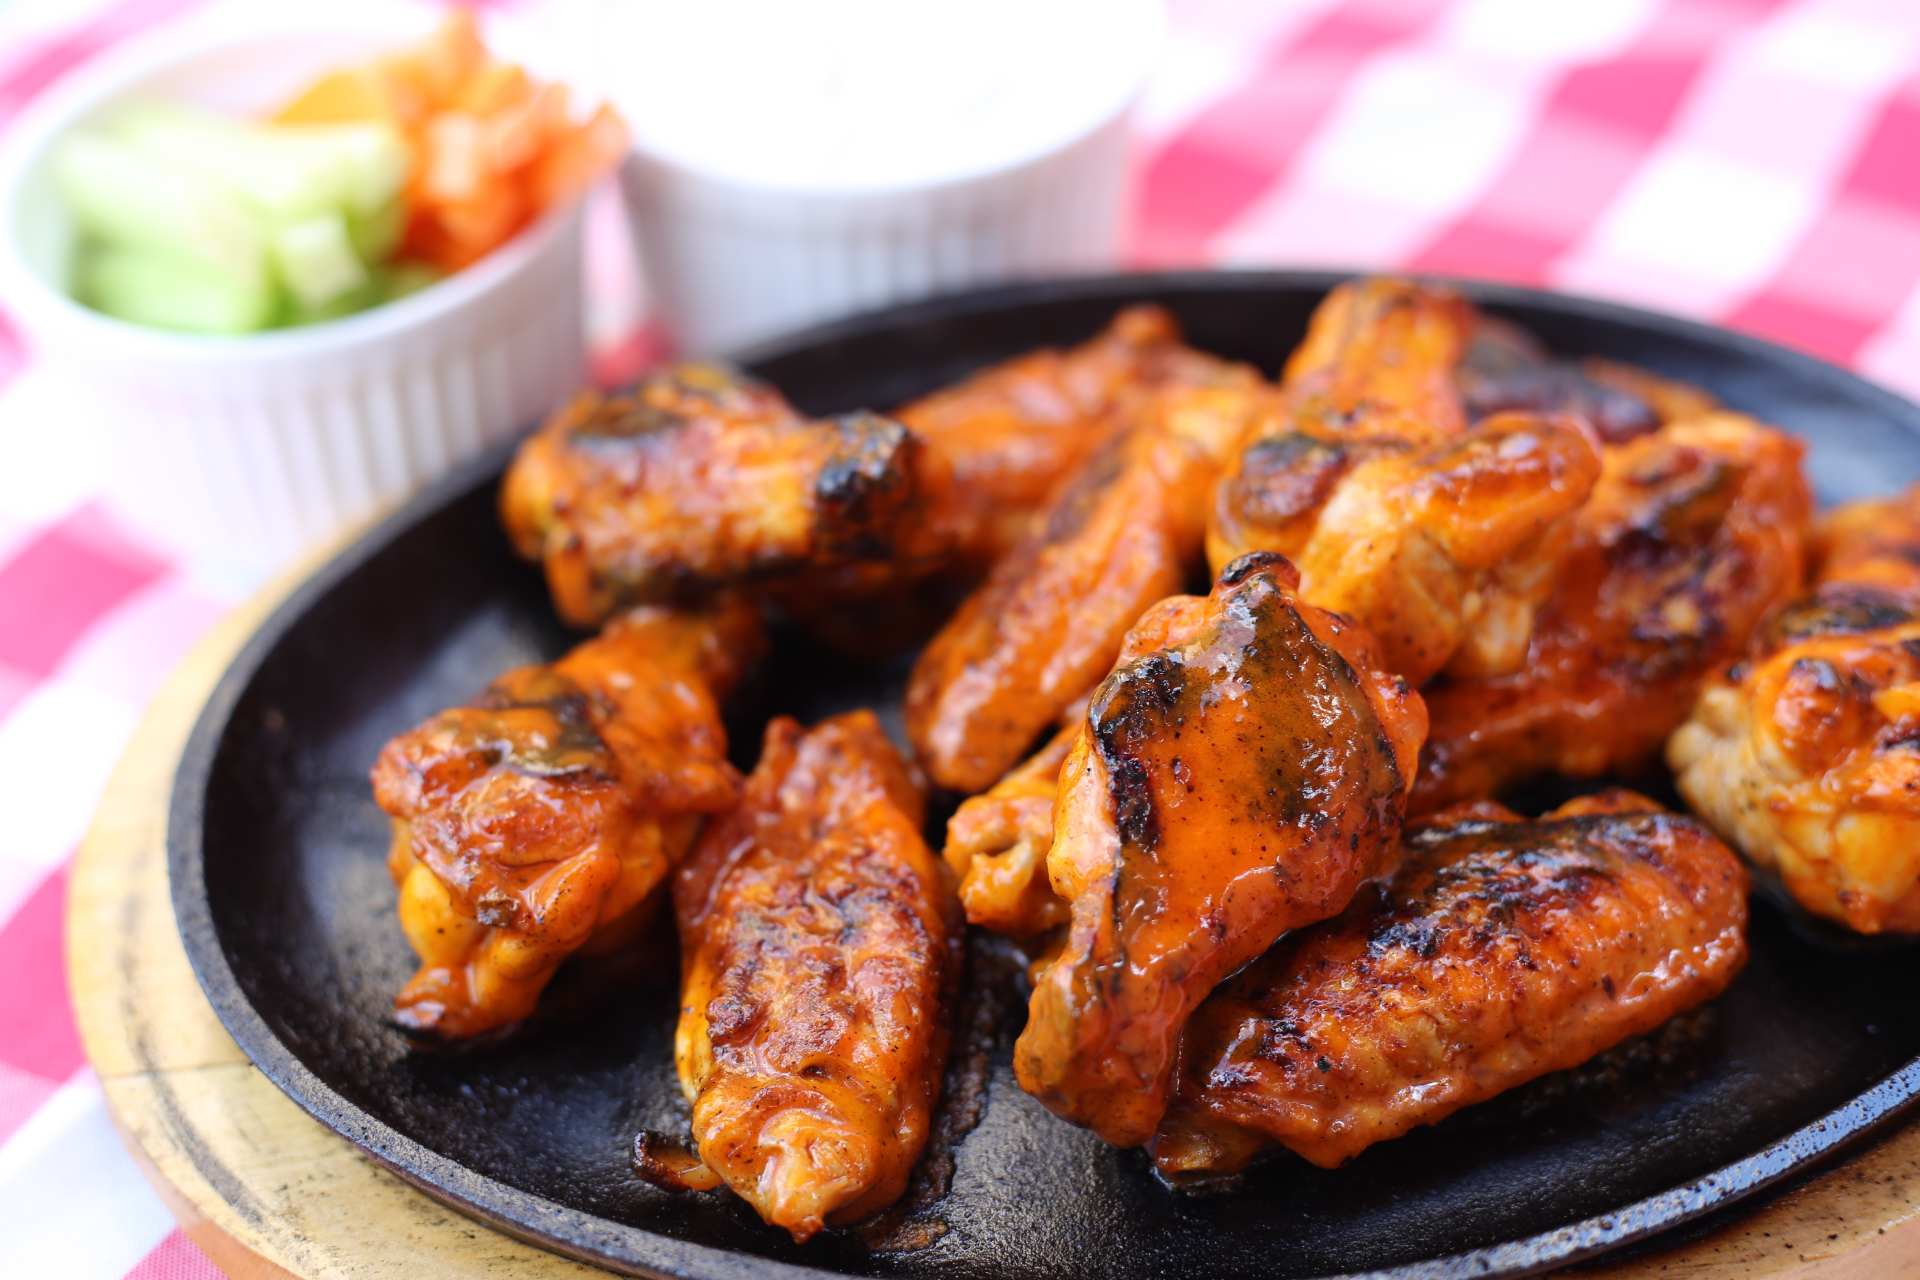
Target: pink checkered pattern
1754,162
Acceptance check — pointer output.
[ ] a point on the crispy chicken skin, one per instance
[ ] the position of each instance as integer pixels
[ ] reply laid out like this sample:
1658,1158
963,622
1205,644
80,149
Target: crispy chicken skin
1444,551
1691,535
820,947
699,477
1439,539
536,822
1010,433
1501,950
1240,773
1807,753
1121,533
997,845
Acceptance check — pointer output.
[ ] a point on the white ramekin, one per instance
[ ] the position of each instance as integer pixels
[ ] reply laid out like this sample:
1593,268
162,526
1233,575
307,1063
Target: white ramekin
250,449
731,256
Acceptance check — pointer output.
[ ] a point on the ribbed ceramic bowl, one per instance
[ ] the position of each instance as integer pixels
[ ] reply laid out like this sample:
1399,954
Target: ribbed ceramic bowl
251,448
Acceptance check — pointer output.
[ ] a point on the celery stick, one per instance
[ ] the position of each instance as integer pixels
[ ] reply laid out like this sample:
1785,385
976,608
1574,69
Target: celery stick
316,261
120,195
171,291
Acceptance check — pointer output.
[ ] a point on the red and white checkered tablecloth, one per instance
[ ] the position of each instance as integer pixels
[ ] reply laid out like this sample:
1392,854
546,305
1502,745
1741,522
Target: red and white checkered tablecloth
1754,162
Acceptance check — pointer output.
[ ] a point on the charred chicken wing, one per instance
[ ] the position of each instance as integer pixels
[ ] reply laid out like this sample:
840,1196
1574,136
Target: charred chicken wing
1501,950
1692,534
1807,753
1240,773
1376,365
820,946
1441,540
1120,534
537,821
700,477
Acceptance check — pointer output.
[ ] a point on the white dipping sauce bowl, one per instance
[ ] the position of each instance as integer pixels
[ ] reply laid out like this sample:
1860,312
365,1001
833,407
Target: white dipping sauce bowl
793,162
247,450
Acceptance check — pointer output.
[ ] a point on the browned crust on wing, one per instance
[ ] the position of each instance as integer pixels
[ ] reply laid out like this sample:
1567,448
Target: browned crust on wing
1239,774
1121,533
1692,534
1499,952
1807,753
699,477
1011,433
1375,371
537,821
820,946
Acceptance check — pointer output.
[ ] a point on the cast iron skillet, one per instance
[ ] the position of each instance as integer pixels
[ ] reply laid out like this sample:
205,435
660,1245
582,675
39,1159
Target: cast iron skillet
276,854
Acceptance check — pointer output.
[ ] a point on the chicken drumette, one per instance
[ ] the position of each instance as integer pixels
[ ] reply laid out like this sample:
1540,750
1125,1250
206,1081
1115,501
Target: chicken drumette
1691,535
536,822
700,477
1501,950
1806,753
1441,539
1240,773
820,946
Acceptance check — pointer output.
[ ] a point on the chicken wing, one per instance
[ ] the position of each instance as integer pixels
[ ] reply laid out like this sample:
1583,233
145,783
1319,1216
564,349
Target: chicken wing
1692,534
1010,433
1440,540
820,947
1498,952
537,821
1376,365
997,845
1240,773
1807,753
700,477
1121,533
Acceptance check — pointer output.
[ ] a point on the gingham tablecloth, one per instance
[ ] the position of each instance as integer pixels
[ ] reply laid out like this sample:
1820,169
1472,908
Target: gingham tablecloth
1753,162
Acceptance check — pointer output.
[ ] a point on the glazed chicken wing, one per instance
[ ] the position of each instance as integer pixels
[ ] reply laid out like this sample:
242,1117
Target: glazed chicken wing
1501,950
1807,753
1010,433
700,477
1240,773
1441,540
1046,625
1692,533
537,821
820,947
997,845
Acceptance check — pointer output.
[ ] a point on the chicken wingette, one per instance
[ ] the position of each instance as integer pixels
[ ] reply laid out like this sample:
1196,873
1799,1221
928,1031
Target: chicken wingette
1692,533
1806,753
536,822
1241,773
1501,950
1122,532
1440,539
700,477
820,948
1010,433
